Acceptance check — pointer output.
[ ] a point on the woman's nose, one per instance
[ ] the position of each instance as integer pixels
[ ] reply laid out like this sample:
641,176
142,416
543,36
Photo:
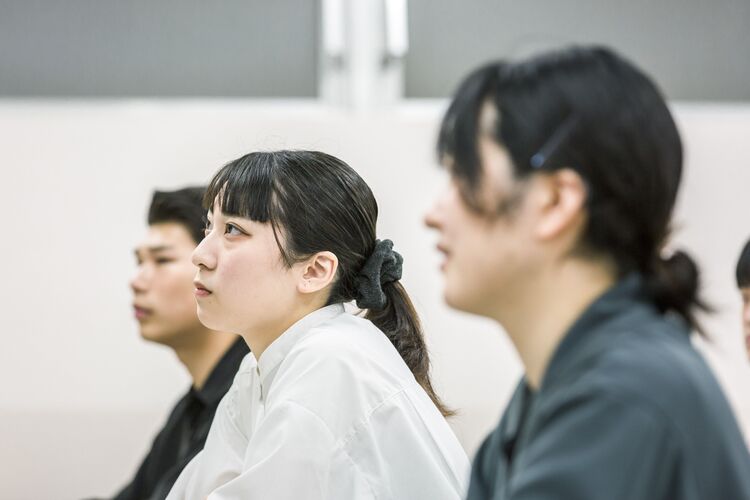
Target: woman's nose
204,255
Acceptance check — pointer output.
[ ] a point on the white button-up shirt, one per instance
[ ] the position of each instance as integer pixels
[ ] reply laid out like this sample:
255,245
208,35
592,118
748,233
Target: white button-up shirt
329,412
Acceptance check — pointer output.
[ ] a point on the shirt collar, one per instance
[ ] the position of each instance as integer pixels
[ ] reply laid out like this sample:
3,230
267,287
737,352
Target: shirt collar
221,376
589,334
513,418
279,348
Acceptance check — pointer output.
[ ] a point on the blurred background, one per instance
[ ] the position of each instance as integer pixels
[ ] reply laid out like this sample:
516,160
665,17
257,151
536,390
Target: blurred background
102,101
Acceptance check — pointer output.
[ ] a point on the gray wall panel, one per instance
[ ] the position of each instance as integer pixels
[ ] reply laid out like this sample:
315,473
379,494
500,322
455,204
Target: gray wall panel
165,48
696,50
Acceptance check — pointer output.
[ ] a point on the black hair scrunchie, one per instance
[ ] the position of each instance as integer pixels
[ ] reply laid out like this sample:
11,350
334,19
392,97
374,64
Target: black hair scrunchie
383,266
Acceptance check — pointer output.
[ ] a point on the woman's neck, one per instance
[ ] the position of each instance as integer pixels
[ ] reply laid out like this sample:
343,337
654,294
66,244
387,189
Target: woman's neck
540,323
263,335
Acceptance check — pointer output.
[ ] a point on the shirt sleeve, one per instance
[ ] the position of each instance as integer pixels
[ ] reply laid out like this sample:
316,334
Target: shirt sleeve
597,447
290,456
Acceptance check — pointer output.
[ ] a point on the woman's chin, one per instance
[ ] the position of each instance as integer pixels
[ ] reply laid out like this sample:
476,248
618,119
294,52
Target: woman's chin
209,320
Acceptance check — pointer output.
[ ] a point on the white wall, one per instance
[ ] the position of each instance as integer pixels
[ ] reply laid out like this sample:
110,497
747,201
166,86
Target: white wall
81,395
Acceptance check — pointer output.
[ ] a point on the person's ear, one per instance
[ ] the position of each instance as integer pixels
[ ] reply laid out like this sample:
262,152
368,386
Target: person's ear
562,202
318,272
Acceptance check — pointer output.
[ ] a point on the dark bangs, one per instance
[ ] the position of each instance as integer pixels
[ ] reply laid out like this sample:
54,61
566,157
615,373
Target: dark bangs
528,115
244,187
459,131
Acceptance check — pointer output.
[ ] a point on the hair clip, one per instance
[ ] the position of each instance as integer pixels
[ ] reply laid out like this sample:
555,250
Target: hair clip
553,143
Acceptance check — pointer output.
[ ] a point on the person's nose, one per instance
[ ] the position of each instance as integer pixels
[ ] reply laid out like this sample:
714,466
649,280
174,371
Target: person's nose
434,216
139,281
746,313
204,255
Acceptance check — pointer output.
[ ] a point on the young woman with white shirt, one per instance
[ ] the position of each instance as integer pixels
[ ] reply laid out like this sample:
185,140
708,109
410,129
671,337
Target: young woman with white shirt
329,405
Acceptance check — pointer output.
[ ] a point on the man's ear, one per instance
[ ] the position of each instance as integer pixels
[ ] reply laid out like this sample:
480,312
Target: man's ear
318,272
562,202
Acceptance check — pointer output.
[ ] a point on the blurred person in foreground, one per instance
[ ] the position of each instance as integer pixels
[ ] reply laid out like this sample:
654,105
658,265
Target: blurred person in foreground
564,172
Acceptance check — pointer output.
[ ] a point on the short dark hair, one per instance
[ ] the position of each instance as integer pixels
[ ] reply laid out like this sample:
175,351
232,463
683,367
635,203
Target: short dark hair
316,202
743,267
183,206
588,109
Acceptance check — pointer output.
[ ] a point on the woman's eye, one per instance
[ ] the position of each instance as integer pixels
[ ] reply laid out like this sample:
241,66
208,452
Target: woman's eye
233,230
207,228
163,260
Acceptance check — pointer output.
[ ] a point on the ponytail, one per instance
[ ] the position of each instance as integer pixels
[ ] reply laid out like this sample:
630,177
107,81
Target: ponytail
378,291
399,321
673,283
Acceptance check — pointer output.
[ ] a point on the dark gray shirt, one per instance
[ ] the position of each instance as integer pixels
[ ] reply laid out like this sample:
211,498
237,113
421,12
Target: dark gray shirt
627,409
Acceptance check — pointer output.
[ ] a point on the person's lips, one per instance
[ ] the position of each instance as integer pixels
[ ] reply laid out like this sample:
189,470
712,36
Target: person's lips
446,254
201,290
141,312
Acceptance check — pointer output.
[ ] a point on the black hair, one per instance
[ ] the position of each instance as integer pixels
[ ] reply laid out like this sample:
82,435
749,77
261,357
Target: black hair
316,202
743,267
588,109
183,206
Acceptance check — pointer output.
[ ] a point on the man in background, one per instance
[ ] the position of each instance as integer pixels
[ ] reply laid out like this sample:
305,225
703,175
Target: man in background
743,283
164,305
732,369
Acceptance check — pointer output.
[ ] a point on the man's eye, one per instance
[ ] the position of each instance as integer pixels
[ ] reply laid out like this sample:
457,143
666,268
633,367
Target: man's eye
233,230
163,260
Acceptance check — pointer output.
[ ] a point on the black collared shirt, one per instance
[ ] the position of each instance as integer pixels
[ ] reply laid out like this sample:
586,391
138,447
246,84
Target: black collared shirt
185,432
627,409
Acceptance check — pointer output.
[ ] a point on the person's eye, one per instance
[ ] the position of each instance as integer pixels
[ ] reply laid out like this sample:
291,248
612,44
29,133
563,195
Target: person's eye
233,230
163,260
208,227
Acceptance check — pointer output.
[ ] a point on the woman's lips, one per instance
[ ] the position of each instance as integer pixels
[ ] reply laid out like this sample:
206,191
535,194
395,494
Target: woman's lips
444,251
141,312
201,290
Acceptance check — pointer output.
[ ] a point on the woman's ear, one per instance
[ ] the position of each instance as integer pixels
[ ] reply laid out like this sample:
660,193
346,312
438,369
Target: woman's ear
562,203
318,272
